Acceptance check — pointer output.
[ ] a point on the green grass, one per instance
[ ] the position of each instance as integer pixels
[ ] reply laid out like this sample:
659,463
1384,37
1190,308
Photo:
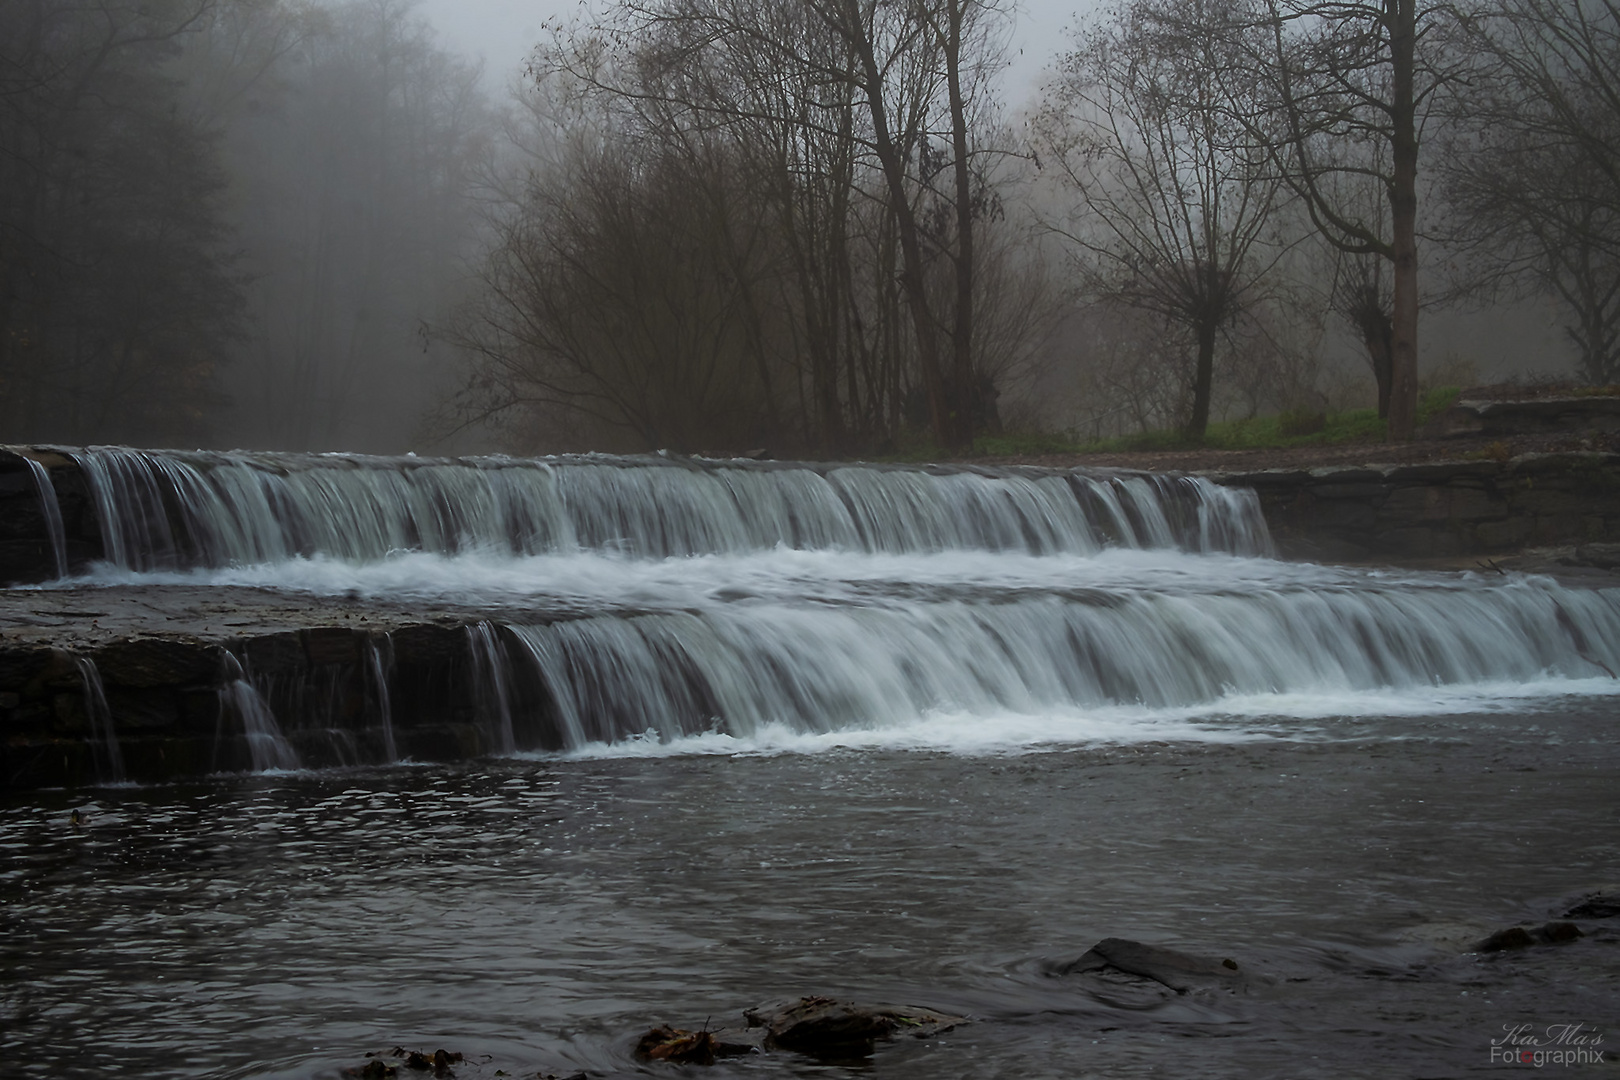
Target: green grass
1259,433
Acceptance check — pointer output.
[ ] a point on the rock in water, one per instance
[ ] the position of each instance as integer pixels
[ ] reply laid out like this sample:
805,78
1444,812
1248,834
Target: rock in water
1521,937
830,1028
1602,904
677,1046
1179,971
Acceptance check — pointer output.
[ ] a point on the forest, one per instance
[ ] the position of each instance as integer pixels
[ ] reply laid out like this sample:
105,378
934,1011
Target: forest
814,226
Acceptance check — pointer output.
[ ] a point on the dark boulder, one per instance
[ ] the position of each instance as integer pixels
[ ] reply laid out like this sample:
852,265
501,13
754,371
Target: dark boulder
1522,937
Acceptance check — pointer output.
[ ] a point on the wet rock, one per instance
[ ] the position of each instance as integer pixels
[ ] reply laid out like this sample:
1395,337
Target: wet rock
677,1046
149,662
392,1062
1522,937
1181,972
1514,937
271,654
333,645
439,1062
373,1070
1604,903
826,1027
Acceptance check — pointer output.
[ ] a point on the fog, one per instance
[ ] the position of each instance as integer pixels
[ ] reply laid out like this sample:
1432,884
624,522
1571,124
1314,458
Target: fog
456,225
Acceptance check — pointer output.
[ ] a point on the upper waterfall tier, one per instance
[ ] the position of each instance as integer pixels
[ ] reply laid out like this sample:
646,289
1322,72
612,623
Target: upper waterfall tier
166,509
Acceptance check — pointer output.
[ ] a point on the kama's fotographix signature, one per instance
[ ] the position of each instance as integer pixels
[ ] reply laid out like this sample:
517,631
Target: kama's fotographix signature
1555,1044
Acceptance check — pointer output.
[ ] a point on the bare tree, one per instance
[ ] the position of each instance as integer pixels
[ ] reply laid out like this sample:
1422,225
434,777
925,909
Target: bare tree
840,102
1533,164
625,291
1348,85
1175,205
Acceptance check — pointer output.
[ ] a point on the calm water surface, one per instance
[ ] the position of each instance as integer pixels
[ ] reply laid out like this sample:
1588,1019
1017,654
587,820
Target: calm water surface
538,914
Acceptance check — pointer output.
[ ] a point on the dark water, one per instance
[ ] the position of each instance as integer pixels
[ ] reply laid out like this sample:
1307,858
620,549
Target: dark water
538,914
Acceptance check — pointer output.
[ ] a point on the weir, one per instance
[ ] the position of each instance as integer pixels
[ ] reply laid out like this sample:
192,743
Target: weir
166,510
442,609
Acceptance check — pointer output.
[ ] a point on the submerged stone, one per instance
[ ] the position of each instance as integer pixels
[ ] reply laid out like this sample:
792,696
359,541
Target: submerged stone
827,1027
1602,904
822,1027
1181,972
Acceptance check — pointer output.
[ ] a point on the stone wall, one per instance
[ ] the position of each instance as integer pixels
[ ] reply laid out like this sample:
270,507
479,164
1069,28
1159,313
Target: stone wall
1531,416
1441,508
167,703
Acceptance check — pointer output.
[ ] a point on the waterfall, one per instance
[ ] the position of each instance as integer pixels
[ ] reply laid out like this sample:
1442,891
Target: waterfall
51,510
656,598
172,509
104,749
379,664
267,747
739,668
492,682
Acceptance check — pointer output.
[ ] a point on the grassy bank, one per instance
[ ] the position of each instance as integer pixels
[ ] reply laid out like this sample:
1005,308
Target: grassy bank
1277,431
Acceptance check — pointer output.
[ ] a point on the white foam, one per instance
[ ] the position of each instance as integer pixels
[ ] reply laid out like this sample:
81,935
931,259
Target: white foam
1230,721
496,578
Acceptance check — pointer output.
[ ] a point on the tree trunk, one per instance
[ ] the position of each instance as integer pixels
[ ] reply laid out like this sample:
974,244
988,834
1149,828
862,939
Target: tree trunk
1203,379
963,386
905,220
1378,334
1403,213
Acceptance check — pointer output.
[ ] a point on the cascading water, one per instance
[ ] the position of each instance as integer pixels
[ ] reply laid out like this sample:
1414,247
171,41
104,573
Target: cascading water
637,599
267,746
493,682
741,668
164,510
51,511
380,665
104,748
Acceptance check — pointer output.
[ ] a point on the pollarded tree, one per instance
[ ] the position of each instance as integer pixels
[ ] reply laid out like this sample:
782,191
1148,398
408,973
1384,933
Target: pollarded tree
1174,203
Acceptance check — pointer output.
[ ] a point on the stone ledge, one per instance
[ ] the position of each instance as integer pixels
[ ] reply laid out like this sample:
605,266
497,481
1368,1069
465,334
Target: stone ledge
1440,508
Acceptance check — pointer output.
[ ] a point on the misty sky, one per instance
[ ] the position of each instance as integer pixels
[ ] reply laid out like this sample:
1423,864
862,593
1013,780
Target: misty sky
502,31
